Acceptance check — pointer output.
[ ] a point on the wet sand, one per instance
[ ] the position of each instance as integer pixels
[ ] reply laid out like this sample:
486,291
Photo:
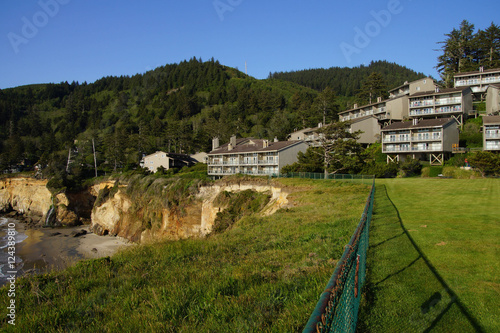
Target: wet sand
46,249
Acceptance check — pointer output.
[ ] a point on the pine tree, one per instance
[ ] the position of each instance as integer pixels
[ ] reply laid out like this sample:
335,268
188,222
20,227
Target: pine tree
372,88
489,46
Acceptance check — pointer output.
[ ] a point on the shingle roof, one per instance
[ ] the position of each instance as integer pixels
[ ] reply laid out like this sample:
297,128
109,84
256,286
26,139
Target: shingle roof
491,120
357,120
440,122
440,92
250,145
493,70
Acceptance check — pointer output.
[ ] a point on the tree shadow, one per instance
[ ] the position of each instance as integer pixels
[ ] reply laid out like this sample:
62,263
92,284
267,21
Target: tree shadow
398,292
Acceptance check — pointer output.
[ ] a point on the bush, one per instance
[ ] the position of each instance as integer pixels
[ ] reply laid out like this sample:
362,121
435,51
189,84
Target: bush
458,173
486,162
410,168
381,170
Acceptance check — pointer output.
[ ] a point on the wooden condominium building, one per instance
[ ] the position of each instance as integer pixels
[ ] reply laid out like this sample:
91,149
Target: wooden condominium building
309,135
166,160
427,139
252,156
491,133
393,109
442,103
479,80
493,99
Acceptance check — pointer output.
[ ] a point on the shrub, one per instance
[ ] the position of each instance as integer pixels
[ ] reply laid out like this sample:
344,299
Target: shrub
410,168
486,162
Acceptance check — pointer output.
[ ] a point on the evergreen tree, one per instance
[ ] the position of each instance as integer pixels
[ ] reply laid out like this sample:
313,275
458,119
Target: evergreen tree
327,105
458,53
489,46
372,88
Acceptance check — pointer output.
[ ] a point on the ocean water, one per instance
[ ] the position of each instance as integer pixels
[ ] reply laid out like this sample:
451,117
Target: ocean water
15,258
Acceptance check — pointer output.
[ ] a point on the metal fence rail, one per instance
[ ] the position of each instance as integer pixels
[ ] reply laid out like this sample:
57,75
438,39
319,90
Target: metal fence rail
367,179
337,308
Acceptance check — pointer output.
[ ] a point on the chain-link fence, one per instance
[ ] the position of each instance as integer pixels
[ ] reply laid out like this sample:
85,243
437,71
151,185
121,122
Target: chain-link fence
337,309
366,179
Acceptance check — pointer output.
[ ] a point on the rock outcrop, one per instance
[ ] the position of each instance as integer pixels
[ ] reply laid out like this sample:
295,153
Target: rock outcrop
26,196
31,198
195,219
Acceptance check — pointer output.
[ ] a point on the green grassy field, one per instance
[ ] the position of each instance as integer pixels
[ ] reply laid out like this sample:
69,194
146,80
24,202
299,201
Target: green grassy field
433,261
265,274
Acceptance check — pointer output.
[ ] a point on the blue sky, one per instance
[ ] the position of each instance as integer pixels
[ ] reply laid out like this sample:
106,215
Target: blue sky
64,40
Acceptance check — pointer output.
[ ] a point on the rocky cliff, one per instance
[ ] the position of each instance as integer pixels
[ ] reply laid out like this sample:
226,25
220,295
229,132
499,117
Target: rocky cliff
118,214
26,196
195,219
31,198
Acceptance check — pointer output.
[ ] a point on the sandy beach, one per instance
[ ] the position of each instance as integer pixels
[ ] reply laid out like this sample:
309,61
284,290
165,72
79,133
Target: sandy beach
43,249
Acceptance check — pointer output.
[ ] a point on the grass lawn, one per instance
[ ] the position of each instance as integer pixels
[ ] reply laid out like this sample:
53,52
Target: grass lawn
265,274
434,257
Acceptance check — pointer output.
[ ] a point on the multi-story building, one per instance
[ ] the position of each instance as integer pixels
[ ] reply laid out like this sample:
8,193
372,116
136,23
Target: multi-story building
370,129
442,103
491,133
396,108
425,84
309,135
384,110
479,80
166,160
493,99
428,139
252,156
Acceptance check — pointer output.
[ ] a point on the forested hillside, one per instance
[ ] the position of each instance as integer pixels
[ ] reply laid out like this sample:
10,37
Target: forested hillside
345,81
176,108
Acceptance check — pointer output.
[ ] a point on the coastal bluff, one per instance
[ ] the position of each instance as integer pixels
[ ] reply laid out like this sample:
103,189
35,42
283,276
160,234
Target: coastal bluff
118,216
117,213
32,199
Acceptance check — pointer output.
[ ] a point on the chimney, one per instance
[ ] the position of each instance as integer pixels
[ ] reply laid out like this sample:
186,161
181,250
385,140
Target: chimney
265,143
379,99
437,89
355,106
215,143
232,140
415,121
276,139
481,69
230,147
320,125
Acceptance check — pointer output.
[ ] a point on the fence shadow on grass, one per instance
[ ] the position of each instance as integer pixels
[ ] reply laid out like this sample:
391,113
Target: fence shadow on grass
404,291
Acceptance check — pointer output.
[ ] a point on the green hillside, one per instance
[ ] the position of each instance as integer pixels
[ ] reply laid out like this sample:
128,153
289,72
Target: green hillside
176,108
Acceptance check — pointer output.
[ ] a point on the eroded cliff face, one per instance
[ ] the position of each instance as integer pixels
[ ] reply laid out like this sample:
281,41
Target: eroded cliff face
195,219
26,196
31,198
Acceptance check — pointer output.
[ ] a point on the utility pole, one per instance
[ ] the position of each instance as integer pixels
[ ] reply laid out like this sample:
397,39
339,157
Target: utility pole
95,161
69,160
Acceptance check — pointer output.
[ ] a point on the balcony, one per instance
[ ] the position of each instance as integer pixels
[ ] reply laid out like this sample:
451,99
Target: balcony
426,138
243,163
447,101
492,135
399,139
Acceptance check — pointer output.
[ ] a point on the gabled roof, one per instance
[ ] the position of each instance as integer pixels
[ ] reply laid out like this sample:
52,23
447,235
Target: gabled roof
493,70
491,120
408,84
442,91
359,119
494,85
175,156
250,145
425,123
